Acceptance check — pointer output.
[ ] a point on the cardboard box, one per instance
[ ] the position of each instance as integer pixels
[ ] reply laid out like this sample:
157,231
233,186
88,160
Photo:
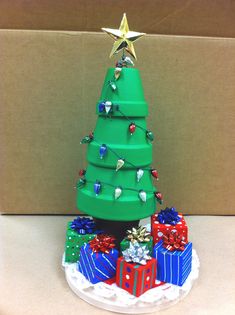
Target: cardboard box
50,83
169,17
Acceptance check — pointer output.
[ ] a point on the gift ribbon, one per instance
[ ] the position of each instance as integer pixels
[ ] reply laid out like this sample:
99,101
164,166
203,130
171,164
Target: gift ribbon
102,243
139,235
173,241
136,253
168,216
83,225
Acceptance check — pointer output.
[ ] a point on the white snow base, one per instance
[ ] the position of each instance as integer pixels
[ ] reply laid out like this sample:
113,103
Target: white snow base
115,299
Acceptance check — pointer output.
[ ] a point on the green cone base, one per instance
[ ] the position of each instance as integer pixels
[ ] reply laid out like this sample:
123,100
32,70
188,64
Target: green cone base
113,130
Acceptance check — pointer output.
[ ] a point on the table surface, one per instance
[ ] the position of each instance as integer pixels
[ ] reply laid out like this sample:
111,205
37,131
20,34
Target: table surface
32,281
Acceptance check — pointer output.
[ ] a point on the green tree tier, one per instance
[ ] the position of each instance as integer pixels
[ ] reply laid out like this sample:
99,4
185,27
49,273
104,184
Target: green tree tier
112,129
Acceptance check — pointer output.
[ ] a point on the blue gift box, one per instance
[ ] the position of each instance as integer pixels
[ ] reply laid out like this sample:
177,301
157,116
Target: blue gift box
173,266
97,267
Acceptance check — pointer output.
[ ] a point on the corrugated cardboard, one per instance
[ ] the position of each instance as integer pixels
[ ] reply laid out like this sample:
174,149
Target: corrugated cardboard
175,17
50,82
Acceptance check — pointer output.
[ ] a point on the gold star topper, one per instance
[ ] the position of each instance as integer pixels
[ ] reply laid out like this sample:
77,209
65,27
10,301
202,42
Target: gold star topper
123,38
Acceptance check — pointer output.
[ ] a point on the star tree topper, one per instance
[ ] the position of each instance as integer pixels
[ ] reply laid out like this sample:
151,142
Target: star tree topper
123,38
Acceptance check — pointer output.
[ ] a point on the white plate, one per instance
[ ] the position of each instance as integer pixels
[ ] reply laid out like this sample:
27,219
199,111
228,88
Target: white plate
115,299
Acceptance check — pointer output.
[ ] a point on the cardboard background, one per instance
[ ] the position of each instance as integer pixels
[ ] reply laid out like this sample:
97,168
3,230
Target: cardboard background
175,17
50,82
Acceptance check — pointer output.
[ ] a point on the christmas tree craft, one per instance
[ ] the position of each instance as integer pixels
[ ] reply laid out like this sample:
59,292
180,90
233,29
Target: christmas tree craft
118,181
118,189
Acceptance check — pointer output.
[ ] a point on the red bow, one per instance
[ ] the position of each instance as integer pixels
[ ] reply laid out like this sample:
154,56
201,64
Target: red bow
174,241
102,243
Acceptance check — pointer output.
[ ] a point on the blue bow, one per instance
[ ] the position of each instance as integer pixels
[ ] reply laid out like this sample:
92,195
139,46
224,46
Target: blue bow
83,225
168,216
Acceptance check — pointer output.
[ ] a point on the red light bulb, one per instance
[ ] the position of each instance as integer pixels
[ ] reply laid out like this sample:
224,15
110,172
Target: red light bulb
91,135
154,173
82,172
132,128
158,196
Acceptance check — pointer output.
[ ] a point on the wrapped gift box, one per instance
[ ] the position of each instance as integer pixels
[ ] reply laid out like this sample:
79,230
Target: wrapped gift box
74,242
149,245
136,278
97,267
158,229
173,266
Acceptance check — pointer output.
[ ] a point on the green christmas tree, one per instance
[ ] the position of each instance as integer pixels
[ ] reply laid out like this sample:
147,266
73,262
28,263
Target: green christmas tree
118,182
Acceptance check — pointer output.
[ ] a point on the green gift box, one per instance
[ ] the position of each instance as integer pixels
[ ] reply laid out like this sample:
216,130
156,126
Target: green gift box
125,243
74,242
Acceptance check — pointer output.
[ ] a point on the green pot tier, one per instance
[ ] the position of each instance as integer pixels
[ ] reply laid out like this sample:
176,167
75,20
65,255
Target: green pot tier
128,95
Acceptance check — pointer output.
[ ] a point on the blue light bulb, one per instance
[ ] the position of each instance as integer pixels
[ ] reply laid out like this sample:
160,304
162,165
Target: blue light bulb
103,150
97,188
101,107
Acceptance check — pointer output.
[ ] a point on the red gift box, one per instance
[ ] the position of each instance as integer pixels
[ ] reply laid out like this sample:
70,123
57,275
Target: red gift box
135,278
158,229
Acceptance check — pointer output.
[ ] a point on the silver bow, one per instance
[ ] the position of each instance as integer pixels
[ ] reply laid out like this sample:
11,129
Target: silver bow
137,254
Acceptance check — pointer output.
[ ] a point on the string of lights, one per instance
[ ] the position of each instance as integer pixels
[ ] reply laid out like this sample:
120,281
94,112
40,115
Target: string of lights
118,189
104,148
109,108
